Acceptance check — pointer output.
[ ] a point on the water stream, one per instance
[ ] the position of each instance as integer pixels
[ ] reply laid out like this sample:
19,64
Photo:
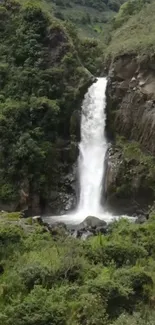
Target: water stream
93,149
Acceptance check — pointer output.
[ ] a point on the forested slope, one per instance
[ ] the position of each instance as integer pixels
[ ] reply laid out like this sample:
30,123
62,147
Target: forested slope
42,81
90,17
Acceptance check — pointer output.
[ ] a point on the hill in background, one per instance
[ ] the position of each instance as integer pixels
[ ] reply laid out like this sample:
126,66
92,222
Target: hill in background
90,17
133,29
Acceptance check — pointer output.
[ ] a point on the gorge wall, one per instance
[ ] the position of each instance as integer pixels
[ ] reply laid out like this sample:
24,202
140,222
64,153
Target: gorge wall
130,178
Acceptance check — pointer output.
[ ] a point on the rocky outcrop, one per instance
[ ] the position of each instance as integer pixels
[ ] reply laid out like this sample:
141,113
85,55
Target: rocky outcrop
131,100
63,197
129,183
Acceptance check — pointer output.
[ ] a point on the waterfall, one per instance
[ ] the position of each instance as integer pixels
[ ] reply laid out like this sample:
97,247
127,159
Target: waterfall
93,147
92,151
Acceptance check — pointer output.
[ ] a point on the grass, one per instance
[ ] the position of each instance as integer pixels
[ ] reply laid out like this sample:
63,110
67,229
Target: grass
137,35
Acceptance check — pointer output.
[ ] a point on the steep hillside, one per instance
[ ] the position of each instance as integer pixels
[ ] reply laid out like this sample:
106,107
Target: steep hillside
41,85
90,17
136,33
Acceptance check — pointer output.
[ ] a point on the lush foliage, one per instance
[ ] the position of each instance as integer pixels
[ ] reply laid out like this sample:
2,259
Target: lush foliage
127,10
62,280
40,85
98,4
133,29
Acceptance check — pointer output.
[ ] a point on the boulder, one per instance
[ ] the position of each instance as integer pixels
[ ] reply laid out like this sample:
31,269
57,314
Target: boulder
86,235
25,213
93,225
57,229
141,219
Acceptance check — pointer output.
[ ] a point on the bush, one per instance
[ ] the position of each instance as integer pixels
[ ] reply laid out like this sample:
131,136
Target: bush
54,279
106,251
39,307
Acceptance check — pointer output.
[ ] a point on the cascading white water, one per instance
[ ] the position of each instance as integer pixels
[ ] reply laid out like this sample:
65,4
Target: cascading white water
93,149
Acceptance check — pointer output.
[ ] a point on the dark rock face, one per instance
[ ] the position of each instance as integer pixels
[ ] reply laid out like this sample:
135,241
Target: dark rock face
63,197
1,269
129,182
130,101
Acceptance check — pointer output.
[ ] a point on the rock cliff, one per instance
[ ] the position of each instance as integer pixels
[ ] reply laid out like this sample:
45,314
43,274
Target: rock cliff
130,180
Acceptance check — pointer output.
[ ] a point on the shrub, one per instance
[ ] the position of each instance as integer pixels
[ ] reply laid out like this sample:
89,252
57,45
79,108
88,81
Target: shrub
107,251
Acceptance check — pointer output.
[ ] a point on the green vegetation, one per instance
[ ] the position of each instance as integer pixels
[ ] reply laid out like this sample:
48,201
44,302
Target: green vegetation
44,71
61,280
41,82
134,29
91,54
90,17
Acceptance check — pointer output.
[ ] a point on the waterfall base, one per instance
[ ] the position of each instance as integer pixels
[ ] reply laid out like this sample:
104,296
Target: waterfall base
76,217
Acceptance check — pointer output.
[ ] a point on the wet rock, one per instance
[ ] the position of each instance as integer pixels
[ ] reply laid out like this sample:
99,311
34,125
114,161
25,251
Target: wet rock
1,269
91,222
133,83
75,233
75,124
58,229
63,198
83,234
93,225
141,219
38,219
25,213
86,235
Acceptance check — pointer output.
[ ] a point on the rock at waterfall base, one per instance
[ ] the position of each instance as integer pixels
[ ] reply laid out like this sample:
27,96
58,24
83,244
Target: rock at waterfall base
91,225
